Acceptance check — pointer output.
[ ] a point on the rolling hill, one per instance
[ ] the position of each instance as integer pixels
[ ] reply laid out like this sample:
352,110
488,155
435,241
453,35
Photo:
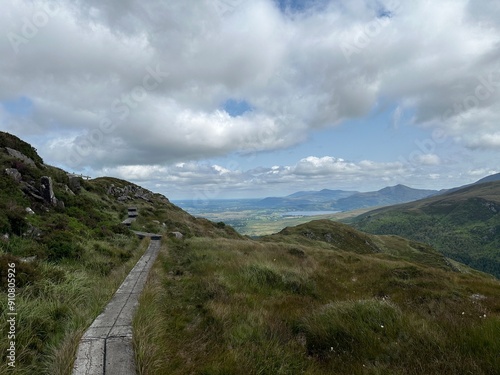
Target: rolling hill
463,224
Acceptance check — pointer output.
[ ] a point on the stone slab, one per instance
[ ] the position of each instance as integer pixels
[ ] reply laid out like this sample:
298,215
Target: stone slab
90,358
120,358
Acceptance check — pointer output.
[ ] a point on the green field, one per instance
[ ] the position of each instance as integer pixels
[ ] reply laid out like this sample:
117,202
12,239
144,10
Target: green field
261,222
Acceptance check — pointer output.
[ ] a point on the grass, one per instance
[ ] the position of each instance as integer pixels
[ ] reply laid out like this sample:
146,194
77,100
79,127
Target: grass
57,302
226,306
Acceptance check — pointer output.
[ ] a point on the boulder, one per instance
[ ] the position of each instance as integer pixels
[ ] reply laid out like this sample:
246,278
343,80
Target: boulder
75,184
29,211
68,190
14,173
177,235
47,190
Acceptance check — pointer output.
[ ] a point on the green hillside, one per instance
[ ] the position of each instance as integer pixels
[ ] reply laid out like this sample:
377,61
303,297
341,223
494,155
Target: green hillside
464,224
319,298
70,254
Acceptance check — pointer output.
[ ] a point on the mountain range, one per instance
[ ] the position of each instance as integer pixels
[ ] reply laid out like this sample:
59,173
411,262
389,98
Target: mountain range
342,200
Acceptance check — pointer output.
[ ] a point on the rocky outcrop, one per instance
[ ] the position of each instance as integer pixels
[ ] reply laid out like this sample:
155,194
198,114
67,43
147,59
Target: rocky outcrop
14,173
32,191
47,190
19,155
129,192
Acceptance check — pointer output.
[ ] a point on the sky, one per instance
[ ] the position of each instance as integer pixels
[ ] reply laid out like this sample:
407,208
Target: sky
214,99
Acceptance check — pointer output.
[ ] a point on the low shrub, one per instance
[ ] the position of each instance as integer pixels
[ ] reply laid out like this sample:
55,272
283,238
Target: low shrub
25,273
352,329
61,245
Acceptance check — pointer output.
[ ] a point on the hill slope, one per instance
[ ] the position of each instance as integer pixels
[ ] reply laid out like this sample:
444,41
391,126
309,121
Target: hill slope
70,252
337,236
463,224
319,298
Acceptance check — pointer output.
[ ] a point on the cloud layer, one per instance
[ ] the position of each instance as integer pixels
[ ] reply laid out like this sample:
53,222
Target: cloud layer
118,83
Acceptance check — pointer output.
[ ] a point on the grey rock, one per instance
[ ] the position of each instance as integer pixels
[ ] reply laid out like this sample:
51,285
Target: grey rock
32,232
68,190
29,211
47,190
19,155
477,297
129,192
14,173
31,190
177,235
28,259
75,184
5,237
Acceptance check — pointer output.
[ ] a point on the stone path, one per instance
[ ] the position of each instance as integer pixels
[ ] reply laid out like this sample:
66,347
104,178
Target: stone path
132,215
106,347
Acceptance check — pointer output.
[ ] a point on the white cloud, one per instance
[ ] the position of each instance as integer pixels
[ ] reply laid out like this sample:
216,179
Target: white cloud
436,62
218,181
428,159
482,172
484,141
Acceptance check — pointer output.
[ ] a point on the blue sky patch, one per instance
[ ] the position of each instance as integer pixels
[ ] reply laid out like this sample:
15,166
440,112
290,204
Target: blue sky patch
22,106
297,5
236,108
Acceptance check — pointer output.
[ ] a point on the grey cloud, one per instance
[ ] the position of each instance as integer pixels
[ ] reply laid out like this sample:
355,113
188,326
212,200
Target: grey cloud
290,67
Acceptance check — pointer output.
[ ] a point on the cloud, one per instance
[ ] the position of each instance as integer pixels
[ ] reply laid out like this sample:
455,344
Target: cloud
481,172
84,66
428,159
215,181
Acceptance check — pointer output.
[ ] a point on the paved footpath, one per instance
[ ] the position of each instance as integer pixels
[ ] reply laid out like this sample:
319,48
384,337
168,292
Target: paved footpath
106,347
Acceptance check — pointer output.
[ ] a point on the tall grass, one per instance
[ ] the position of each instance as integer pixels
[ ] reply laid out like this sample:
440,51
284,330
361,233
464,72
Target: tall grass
220,306
55,309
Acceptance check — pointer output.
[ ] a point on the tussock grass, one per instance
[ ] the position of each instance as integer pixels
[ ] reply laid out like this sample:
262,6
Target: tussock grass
55,309
222,306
